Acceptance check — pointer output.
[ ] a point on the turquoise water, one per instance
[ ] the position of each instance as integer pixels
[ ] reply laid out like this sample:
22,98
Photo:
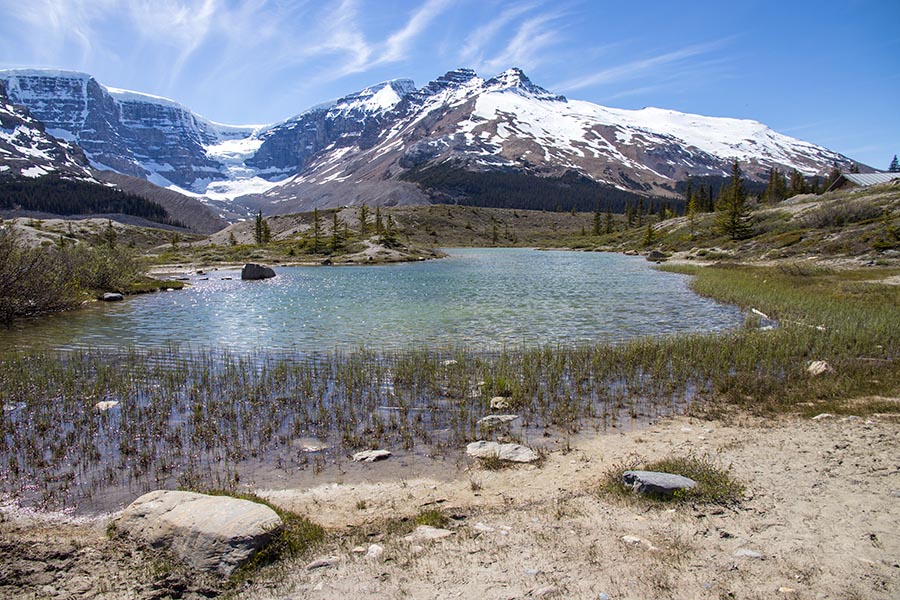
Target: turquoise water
481,298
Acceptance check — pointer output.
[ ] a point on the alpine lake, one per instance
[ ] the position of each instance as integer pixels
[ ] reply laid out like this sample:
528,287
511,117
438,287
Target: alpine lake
276,383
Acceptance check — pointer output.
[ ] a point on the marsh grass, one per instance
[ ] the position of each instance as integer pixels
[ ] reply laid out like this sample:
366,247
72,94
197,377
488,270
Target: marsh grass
715,485
211,418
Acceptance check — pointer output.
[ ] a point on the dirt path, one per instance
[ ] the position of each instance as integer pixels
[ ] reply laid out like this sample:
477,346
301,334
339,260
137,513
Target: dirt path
822,507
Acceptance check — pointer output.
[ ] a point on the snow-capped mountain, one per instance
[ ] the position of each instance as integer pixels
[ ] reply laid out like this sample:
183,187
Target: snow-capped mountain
27,150
365,146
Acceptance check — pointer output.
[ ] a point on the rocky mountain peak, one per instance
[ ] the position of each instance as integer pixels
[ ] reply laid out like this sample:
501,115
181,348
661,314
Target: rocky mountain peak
516,80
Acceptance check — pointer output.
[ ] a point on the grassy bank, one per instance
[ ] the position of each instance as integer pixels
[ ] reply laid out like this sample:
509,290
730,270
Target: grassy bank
207,418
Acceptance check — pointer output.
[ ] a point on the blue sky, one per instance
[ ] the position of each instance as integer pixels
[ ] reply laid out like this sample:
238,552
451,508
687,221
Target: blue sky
826,72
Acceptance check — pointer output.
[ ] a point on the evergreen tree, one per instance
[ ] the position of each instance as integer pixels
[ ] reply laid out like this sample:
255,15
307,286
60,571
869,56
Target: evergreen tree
733,217
629,216
649,235
317,231
109,234
815,188
231,239
262,233
798,184
691,210
597,220
379,225
640,213
363,221
337,239
776,190
894,166
854,168
609,219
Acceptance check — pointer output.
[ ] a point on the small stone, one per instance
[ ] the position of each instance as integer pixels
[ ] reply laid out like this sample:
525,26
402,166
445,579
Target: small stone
112,297
747,553
499,402
787,591
533,572
603,596
358,550
823,416
634,540
545,592
320,563
819,367
482,528
686,430
105,405
652,482
371,455
374,552
426,533
449,362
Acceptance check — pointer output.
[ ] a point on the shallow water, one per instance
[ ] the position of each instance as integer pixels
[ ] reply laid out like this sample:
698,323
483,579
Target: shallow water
479,298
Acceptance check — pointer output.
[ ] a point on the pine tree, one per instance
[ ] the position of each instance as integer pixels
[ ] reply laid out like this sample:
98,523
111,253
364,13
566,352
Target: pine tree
336,238
317,231
798,184
832,177
776,190
379,225
363,221
609,219
597,220
894,166
733,219
691,211
649,235
262,233
231,239
629,216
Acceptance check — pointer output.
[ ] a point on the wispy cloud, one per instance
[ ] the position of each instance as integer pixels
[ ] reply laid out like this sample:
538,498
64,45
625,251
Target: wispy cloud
398,44
642,68
475,46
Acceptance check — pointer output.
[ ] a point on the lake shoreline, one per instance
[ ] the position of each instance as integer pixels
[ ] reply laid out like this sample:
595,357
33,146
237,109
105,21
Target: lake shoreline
526,530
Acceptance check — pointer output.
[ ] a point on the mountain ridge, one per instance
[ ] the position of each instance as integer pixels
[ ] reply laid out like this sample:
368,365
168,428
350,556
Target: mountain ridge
358,148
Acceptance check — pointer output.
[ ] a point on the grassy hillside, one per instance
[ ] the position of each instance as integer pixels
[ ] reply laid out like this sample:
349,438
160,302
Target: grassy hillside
861,224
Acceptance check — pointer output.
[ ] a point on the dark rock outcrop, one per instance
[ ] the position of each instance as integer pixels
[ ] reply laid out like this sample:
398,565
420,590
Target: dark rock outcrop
252,271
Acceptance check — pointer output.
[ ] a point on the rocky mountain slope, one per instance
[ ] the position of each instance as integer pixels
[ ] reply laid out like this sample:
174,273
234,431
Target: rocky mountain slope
384,144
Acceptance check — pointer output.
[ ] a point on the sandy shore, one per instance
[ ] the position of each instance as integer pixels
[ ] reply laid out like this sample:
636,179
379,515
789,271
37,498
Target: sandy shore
819,521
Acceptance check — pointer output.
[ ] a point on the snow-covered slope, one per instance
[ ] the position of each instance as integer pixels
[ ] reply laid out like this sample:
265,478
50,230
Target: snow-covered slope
27,150
358,148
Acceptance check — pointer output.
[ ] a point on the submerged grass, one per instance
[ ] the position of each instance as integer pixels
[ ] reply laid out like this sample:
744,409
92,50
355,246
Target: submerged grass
208,418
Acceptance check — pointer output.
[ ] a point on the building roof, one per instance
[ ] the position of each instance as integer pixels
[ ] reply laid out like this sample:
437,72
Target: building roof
863,179
871,178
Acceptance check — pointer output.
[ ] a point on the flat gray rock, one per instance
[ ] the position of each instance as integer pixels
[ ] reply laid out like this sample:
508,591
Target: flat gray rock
252,271
371,455
210,533
494,420
652,482
509,452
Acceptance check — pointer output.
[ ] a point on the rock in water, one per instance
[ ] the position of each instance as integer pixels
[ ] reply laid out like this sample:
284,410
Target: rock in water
210,533
112,297
656,256
652,482
371,455
252,271
495,420
819,367
510,452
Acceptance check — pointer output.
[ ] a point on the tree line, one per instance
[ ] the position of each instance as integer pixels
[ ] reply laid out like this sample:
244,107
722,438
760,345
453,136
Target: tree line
55,195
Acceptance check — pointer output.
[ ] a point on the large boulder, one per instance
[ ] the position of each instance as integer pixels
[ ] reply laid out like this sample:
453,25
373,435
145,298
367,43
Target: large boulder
252,271
210,533
653,482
